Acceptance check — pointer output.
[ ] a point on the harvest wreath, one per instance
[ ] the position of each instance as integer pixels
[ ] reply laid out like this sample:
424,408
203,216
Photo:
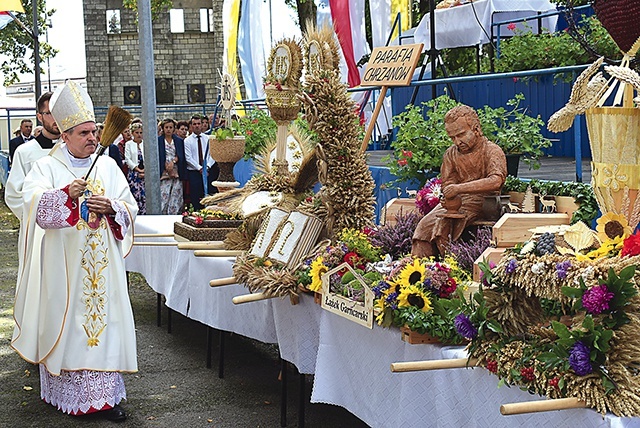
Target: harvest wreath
514,321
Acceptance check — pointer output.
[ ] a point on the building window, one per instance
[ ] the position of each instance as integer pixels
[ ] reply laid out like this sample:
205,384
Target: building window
176,20
113,21
206,20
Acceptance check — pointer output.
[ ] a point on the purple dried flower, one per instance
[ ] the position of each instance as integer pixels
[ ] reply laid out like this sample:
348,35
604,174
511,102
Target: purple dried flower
395,239
511,266
467,252
562,268
596,299
465,327
579,359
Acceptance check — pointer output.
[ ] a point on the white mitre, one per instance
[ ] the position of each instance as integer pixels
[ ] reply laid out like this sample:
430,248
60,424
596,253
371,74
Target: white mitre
71,105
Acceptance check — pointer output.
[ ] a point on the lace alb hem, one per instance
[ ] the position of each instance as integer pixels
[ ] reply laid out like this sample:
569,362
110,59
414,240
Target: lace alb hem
122,216
77,391
53,212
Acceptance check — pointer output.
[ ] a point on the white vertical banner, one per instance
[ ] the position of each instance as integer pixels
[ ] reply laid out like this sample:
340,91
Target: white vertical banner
251,47
358,31
381,21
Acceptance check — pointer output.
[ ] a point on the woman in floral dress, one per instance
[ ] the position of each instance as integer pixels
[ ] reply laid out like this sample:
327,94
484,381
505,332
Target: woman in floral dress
134,158
173,168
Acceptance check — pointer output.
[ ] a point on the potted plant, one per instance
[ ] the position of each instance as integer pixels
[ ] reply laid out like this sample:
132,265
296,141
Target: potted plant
258,129
226,147
517,133
422,140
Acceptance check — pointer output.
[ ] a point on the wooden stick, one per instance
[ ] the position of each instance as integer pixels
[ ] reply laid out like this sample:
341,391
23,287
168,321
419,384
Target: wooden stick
412,366
254,297
542,406
223,281
153,235
217,253
201,245
155,244
374,118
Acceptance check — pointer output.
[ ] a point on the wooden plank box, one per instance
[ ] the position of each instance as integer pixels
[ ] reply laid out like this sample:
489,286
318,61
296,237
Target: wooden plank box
396,206
490,255
416,338
513,228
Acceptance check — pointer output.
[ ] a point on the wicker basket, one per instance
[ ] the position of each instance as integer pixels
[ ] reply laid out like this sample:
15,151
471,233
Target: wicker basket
283,103
613,136
227,150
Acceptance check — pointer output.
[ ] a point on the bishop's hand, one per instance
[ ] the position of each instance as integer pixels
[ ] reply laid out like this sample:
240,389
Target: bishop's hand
77,188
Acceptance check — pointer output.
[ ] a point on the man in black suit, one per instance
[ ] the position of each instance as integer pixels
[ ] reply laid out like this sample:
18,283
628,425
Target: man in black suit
26,125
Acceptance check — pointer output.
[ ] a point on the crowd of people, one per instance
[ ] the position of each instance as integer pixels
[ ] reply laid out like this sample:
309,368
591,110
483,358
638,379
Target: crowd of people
186,167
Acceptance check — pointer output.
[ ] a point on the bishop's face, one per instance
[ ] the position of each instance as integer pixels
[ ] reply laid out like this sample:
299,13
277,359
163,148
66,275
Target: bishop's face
81,139
464,138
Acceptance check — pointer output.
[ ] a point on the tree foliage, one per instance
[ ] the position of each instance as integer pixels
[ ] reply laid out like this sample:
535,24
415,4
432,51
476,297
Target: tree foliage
17,45
157,6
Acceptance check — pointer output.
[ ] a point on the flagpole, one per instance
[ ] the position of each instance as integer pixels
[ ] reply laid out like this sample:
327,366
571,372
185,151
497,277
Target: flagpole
36,50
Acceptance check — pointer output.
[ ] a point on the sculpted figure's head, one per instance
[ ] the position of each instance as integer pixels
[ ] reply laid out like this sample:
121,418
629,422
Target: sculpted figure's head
463,127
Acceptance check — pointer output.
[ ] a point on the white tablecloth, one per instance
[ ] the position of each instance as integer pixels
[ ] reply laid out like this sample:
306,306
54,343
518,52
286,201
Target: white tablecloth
298,331
353,371
351,363
184,281
466,25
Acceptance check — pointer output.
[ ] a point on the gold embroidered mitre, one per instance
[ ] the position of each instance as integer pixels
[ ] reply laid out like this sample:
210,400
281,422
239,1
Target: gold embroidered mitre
71,106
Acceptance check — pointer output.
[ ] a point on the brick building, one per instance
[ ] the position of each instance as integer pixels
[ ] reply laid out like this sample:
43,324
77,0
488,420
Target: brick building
187,46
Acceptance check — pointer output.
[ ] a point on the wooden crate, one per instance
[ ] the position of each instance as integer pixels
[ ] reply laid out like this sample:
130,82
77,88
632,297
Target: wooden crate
513,228
416,338
394,207
490,255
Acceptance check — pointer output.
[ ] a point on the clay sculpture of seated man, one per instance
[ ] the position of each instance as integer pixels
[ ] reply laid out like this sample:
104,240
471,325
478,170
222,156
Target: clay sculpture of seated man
472,168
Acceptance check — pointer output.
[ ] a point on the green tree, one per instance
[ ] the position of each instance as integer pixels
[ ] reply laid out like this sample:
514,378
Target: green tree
307,12
157,6
16,43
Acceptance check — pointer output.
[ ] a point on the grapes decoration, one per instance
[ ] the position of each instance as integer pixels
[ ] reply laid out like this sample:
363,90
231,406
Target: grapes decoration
546,244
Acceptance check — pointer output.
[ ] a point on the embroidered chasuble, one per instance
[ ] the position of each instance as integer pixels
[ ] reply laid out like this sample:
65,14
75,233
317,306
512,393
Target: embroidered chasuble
78,315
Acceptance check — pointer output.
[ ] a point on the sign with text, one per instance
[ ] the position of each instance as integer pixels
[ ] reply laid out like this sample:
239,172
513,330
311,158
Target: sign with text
360,313
392,65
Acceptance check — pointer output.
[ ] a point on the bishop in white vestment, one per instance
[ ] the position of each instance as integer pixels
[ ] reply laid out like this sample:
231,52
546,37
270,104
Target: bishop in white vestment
76,321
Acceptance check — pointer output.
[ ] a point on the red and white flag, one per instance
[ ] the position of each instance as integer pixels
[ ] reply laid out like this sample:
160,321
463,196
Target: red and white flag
7,6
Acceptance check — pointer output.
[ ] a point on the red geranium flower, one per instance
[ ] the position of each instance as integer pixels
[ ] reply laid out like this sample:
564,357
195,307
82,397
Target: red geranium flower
511,26
407,153
199,220
352,258
402,162
631,245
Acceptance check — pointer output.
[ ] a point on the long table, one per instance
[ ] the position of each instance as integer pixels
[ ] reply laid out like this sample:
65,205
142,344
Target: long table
351,364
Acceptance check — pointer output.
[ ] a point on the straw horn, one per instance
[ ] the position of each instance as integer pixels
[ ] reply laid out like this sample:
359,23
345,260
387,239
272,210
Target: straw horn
254,297
217,253
412,366
542,406
201,245
223,281
117,120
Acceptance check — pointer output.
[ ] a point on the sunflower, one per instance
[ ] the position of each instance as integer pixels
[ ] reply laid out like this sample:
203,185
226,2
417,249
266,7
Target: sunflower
414,296
318,269
411,274
612,225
